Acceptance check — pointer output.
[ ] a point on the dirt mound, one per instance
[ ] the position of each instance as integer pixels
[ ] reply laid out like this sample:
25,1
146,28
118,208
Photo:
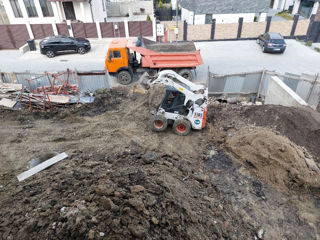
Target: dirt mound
300,125
124,196
275,159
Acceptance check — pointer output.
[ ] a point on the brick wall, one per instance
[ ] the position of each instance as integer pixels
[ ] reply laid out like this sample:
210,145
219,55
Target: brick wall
253,29
282,27
199,32
302,27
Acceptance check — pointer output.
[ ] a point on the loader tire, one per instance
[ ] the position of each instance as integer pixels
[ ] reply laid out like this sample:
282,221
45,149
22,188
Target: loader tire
181,127
159,123
186,73
124,77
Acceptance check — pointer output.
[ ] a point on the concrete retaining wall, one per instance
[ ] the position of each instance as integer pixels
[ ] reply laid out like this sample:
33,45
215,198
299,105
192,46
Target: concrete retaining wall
280,94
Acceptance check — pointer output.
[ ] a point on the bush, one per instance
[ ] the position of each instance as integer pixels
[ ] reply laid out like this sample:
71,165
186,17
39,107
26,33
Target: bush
127,15
148,18
309,43
255,19
317,49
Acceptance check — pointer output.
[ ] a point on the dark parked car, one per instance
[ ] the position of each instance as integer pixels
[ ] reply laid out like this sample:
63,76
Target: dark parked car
272,42
54,45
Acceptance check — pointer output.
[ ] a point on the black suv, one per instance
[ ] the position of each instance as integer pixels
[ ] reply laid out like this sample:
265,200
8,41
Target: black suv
51,46
272,42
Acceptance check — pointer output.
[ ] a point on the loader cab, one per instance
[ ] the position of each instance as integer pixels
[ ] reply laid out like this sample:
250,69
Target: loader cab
174,102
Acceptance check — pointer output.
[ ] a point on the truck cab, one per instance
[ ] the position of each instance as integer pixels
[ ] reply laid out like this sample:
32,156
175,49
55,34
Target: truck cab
117,57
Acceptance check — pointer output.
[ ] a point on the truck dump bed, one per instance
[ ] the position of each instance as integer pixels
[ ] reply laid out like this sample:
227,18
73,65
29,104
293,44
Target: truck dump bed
170,47
167,55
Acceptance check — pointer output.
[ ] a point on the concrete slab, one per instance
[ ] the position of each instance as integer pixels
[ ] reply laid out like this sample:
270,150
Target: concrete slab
280,94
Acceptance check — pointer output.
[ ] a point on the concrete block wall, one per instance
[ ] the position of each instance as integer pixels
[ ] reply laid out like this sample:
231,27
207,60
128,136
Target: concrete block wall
226,31
282,27
252,30
230,30
302,27
279,93
199,32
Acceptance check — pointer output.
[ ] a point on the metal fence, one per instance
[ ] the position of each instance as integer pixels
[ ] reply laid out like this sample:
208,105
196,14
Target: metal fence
86,81
256,83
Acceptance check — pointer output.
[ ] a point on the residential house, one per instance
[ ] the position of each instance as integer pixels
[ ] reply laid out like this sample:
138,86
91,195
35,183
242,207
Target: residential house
48,11
3,15
305,8
226,11
134,10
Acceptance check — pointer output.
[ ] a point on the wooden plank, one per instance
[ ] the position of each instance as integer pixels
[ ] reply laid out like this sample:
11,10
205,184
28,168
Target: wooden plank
41,166
7,87
7,102
59,99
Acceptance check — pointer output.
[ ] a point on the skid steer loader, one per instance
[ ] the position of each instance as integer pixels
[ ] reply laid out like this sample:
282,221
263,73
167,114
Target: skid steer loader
184,105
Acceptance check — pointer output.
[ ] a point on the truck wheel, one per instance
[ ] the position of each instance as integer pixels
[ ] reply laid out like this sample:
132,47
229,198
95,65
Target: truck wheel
186,73
124,77
181,127
159,123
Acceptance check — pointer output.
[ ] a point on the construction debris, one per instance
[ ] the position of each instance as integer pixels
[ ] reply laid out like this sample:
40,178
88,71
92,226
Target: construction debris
41,166
59,93
7,103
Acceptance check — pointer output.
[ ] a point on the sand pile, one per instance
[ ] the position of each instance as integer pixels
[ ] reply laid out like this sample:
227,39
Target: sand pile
275,159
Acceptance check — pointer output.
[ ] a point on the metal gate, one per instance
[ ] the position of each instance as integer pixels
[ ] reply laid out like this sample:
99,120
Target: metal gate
62,29
85,30
42,30
13,36
140,28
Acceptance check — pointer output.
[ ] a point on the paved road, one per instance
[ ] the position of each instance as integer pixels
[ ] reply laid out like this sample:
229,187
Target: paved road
223,57
12,60
243,56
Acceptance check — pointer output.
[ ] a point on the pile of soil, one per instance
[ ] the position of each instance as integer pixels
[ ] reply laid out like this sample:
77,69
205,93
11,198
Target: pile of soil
274,158
128,195
300,125
123,181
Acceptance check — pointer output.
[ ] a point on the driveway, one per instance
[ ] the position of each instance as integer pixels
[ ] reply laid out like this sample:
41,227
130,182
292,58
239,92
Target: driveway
13,60
222,57
227,57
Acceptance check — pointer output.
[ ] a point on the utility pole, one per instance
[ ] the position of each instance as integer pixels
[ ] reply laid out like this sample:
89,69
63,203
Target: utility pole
177,20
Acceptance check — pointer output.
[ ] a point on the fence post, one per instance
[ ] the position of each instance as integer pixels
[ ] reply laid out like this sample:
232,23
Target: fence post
310,26
29,30
208,76
54,28
240,23
154,29
213,29
261,82
126,28
98,29
269,18
70,28
311,89
185,30
294,25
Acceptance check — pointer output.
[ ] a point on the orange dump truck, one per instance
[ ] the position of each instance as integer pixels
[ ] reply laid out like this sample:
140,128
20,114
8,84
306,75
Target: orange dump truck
127,57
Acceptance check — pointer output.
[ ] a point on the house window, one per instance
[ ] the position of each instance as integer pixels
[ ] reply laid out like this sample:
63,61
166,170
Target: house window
16,8
46,8
31,8
208,19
